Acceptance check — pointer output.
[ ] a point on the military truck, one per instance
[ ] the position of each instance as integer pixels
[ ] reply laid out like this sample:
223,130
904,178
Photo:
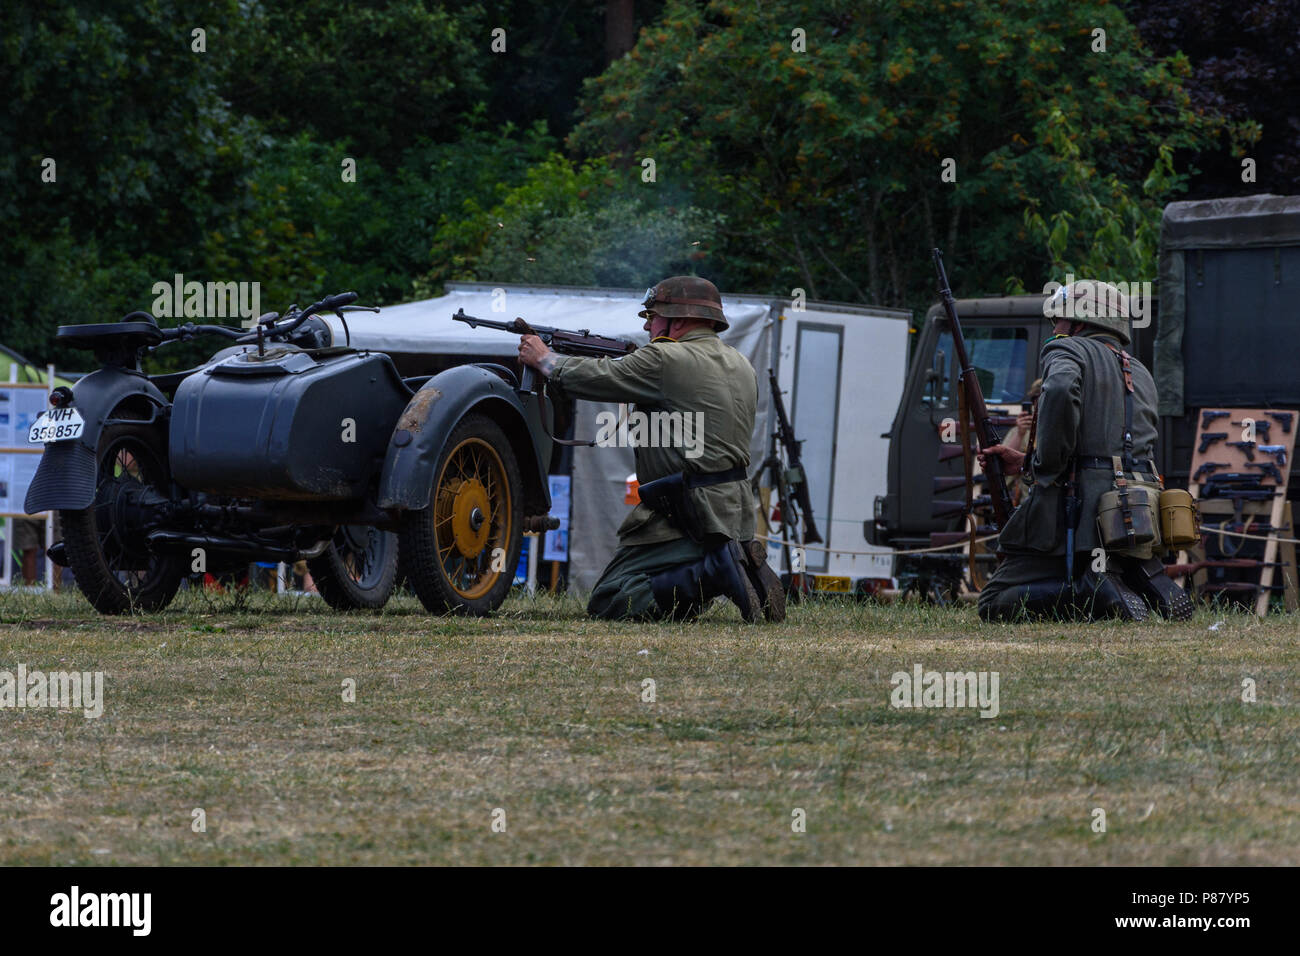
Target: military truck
1223,332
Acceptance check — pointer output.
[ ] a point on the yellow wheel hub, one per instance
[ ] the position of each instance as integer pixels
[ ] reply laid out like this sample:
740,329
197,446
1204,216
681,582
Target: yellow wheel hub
471,514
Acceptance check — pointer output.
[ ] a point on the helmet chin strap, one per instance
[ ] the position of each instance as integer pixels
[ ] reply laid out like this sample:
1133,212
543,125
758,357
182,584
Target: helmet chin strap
663,335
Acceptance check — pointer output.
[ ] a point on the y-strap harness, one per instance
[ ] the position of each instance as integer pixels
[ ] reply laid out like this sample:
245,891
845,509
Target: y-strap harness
1124,463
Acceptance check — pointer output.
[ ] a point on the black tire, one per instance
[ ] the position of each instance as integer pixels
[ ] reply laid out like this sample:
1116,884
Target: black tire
358,570
448,557
112,565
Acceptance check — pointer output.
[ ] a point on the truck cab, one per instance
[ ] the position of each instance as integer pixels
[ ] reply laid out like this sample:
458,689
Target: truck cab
1004,336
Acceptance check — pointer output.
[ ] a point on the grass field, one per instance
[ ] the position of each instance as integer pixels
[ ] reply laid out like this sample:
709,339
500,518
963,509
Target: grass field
236,707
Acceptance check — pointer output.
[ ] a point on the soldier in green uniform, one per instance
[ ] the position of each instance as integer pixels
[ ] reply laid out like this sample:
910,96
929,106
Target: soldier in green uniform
1096,432
692,536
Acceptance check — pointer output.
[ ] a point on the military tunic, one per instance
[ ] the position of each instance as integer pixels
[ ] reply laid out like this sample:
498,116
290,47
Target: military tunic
696,374
1080,412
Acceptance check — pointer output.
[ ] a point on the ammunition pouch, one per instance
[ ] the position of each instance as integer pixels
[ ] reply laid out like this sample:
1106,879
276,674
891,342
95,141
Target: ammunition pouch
670,497
1128,516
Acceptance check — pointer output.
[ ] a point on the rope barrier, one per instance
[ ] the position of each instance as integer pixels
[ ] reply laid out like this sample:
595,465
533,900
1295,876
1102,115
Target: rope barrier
958,545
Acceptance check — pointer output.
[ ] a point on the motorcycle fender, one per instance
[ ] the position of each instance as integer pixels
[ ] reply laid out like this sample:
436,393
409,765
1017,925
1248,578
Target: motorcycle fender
422,429
65,478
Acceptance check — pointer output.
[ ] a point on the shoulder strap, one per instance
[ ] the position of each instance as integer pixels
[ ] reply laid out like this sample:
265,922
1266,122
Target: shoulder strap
1126,368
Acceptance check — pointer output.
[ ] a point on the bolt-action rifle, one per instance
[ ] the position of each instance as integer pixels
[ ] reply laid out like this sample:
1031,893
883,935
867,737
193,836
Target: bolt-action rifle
1000,495
564,341
581,342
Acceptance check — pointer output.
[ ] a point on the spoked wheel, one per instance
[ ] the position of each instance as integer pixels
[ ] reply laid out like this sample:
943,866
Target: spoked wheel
358,570
105,543
460,552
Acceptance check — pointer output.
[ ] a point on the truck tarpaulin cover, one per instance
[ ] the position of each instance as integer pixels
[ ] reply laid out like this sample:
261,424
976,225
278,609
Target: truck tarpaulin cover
1229,290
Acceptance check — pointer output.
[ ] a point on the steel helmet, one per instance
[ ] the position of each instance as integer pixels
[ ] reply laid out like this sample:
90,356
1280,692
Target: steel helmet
679,297
1094,303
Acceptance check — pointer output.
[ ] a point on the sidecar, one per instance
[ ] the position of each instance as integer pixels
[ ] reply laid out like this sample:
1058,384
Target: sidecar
286,453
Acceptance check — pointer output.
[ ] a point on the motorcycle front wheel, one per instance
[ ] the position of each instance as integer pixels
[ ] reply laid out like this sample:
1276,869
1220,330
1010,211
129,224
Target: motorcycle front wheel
460,552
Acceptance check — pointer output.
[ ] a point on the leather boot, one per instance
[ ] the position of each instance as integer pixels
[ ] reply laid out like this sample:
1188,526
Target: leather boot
1149,580
682,592
1048,598
770,590
1106,595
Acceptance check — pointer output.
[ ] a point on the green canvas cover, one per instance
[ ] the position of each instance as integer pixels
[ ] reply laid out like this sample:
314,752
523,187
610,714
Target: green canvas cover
1228,285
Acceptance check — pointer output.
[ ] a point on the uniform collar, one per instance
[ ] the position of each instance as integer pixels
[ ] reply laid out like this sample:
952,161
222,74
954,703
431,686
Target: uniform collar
698,333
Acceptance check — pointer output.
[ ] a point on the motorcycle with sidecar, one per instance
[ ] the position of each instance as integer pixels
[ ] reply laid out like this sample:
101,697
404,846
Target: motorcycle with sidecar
284,446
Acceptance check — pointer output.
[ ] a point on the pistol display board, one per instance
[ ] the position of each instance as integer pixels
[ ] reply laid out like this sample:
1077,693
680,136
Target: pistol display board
1241,464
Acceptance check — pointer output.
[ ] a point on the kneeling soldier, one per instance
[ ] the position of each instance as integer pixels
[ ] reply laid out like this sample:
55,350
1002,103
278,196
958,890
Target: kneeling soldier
692,536
1093,456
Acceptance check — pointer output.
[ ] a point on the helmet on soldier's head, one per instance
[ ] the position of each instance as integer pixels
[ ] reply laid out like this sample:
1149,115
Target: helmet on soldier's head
679,297
1098,304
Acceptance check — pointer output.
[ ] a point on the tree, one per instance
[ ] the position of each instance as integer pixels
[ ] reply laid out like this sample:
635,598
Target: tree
843,140
1242,56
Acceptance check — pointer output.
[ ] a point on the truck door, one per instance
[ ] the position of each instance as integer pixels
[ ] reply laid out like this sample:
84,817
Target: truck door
1002,356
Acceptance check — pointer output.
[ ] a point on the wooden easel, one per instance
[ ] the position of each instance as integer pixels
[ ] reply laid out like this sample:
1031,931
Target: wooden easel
1232,459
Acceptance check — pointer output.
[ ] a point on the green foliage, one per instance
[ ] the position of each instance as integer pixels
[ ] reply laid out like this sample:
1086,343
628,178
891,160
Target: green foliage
1111,233
828,162
378,77
571,224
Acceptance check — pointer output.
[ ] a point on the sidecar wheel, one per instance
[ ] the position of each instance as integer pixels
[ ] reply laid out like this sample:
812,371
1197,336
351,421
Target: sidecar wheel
113,566
460,552
358,570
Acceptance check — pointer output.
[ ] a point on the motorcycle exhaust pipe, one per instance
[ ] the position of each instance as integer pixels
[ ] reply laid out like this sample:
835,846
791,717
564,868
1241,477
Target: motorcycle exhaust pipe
165,542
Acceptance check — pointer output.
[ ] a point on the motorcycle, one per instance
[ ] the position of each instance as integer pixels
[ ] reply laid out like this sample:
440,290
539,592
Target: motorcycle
284,446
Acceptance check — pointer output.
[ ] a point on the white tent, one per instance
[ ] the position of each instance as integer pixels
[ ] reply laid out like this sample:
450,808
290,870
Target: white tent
599,474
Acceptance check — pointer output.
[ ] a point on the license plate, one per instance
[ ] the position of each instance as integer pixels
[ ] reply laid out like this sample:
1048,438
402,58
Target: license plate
56,424
831,582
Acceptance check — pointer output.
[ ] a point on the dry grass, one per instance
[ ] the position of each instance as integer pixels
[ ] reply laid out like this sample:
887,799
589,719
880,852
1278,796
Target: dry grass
235,706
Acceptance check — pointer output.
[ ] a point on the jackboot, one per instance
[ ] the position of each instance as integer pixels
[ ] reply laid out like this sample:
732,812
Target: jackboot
770,590
1148,579
684,591
1048,598
1106,595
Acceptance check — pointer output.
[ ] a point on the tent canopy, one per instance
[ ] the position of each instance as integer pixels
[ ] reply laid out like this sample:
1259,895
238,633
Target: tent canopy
427,326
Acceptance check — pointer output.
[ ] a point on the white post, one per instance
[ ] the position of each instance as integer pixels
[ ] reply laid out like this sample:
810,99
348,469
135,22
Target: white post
49,515
532,563
9,522
280,571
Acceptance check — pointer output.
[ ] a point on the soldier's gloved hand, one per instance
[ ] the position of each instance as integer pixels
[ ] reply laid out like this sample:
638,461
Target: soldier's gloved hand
533,352
1012,460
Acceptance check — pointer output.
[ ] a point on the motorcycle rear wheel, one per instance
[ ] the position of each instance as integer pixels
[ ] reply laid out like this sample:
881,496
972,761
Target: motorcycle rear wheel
112,564
358,570
460,552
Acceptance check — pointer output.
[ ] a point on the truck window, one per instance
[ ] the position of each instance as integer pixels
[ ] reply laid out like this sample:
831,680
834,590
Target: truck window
999,359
